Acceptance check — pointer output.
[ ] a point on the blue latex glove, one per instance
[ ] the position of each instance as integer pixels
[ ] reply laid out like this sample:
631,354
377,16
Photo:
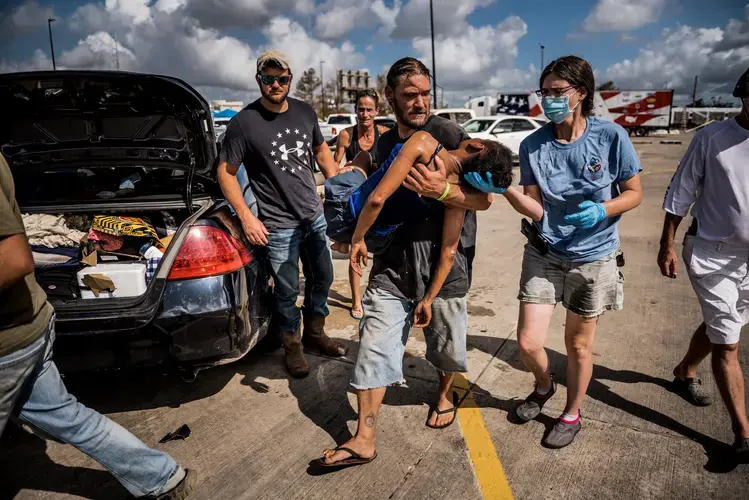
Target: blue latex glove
485,184
589,215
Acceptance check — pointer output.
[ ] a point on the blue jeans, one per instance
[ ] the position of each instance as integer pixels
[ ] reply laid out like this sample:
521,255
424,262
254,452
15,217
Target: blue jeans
285,247
32,390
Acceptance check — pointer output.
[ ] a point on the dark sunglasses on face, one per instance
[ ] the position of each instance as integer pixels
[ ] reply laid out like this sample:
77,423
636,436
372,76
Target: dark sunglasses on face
270,79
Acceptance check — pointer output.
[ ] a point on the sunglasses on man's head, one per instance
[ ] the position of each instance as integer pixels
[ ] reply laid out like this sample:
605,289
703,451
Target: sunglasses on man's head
270,79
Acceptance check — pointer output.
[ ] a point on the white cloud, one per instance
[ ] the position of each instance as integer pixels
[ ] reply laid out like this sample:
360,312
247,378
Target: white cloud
624,15
480,55
737,33
307,52
162,37
137,10
412,20
386,15
39,61
718,56
242,13
98,51
338,17
24,19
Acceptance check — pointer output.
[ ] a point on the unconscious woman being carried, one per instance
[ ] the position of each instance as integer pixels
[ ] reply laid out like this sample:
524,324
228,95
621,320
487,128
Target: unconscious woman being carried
478,162
366,211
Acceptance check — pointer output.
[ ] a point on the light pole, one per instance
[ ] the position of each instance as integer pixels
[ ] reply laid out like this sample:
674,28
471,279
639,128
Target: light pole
51,43
434,62
322,90
542,56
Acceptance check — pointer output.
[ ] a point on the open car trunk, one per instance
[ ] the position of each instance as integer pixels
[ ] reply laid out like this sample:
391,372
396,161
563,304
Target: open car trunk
97,145
79,262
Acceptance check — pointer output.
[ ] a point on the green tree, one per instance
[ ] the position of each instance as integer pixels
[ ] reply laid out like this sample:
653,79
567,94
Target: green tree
306,86
608,86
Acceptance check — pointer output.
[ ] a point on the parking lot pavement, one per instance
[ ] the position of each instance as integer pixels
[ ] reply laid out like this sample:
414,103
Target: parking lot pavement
254,432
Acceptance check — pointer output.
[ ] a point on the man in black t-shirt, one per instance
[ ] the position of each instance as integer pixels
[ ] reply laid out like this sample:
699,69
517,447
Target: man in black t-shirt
401,274
278,139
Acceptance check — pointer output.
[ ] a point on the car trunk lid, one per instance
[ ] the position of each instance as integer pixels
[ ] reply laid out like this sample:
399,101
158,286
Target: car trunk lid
65,121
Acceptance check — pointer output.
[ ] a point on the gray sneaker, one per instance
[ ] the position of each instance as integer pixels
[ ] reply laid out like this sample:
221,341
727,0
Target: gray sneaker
692,390
562,434
531,407
183,489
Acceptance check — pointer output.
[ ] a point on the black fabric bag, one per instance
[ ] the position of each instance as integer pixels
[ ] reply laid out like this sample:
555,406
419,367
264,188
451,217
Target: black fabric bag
59,284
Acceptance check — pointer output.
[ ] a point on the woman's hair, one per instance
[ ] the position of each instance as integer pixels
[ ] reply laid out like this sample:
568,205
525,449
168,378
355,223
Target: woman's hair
495,158
369,93
578,72
403,68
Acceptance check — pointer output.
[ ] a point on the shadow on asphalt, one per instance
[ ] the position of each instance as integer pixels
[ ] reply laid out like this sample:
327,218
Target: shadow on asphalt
326,407
29,468
718,453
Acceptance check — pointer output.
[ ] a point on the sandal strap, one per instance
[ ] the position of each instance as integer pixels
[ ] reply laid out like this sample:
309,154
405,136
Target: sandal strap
444,412
349,451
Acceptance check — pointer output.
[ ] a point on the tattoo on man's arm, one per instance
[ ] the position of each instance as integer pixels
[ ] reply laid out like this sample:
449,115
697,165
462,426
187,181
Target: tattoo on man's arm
369,420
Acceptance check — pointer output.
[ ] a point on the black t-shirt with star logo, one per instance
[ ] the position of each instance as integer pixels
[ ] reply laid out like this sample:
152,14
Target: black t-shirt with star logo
276,149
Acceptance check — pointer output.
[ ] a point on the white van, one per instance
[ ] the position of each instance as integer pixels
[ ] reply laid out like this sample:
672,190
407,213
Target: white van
458,115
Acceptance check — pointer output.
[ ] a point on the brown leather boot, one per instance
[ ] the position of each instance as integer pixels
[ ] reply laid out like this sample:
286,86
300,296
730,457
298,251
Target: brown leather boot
293,355
316,341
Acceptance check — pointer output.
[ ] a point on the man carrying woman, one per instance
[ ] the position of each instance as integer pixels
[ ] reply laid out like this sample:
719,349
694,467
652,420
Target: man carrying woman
361,137
579,175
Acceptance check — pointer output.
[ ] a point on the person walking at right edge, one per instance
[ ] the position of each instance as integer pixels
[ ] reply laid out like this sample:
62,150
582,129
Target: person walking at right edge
714,176
579,175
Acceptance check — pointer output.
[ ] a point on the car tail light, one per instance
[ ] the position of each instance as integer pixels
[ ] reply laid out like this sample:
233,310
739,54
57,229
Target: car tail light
335,131
208,251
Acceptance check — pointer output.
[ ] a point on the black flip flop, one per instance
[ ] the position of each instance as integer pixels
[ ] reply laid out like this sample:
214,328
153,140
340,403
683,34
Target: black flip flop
354,459
453,410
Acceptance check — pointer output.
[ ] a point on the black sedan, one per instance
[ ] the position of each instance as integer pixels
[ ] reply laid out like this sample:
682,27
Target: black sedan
124,145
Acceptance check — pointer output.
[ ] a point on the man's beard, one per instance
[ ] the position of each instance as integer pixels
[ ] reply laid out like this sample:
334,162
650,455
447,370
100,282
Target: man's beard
405,120
275,99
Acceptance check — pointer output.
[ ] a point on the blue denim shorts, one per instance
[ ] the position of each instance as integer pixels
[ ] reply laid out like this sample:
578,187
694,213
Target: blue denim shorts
384,332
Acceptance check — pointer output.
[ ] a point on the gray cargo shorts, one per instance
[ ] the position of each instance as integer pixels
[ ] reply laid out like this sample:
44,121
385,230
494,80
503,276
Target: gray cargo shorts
384,332
584,288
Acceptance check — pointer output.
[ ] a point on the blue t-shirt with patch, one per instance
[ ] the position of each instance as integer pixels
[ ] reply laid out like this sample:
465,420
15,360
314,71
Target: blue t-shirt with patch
590,168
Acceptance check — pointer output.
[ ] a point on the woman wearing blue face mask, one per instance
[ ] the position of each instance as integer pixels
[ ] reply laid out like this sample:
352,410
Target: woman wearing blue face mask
579,175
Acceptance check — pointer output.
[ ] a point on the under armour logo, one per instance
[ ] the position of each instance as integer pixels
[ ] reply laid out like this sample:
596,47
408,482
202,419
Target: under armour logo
299,150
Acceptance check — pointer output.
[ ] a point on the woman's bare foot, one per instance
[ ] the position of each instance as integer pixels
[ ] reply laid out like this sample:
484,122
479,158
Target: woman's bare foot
365,449
446,418
357,311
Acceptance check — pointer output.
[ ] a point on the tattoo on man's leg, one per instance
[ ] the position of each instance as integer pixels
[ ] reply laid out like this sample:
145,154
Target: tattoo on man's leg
369,420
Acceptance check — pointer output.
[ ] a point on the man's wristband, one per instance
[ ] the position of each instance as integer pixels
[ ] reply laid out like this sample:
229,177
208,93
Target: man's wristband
445,192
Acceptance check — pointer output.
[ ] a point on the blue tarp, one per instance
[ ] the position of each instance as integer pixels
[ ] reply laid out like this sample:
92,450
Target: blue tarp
227,113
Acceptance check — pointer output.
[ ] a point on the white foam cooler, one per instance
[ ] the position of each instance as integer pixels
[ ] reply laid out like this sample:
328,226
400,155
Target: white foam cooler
129,280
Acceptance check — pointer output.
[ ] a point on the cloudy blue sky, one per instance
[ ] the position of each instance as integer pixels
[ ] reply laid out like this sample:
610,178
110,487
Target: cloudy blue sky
483,46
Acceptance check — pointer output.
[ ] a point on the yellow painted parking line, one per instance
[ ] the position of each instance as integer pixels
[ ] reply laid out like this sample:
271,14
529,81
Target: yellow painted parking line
484,459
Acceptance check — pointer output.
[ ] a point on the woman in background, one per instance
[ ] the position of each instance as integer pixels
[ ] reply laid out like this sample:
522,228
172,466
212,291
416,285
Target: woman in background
361,137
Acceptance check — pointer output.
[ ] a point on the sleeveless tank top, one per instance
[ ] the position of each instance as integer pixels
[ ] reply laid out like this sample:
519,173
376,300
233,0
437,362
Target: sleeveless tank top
353,148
